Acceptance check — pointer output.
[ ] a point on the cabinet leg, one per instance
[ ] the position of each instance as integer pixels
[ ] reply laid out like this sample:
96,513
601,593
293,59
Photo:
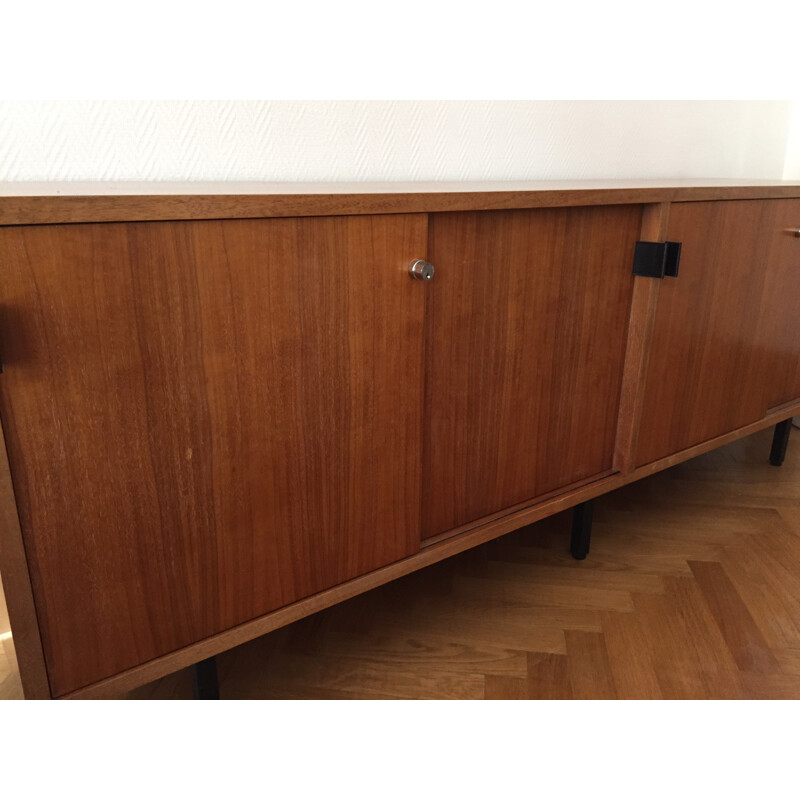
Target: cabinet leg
779,442
204,680
581,530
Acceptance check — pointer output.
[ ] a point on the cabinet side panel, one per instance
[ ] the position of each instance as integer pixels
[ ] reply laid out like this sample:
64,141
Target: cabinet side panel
526,339
206,421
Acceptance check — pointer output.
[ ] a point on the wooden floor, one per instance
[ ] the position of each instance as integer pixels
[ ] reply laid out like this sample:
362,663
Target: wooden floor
691,590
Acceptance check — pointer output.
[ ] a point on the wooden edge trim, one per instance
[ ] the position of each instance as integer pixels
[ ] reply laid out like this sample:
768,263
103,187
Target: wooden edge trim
18,590
483,532
782,407
525,504
57,209
644,302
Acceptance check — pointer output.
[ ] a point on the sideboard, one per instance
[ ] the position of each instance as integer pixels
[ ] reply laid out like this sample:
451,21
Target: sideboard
227,406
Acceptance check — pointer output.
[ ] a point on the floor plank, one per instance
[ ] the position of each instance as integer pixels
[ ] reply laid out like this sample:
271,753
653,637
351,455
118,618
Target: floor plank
740,631
588,666
548,676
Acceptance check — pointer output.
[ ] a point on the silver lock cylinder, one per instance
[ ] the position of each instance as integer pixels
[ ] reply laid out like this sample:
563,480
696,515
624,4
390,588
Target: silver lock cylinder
421,270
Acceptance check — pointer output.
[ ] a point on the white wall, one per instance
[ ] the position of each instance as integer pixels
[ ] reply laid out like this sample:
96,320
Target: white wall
791,168
396,140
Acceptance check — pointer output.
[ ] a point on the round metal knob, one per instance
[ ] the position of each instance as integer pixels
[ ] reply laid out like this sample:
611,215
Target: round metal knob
421,270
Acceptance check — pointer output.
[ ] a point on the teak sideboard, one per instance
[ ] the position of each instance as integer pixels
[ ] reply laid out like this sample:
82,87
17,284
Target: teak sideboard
225,407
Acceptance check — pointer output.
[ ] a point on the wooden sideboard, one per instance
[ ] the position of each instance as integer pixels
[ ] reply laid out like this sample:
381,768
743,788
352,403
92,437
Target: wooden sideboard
225,407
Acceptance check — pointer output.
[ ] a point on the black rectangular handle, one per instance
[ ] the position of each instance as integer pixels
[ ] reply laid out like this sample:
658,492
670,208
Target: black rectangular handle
656,259
672,259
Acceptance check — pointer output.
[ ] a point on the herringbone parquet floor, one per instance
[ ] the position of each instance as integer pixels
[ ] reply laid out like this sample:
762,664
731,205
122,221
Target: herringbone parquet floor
691,590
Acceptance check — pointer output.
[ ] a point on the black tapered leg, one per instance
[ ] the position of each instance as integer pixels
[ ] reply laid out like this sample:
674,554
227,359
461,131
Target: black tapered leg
779,442
581,530
204,680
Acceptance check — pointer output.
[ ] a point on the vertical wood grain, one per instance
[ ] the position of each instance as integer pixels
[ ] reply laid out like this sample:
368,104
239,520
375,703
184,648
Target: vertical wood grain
525,330
589,669
548,677
779,338
703,373
18,592
206,421
640,329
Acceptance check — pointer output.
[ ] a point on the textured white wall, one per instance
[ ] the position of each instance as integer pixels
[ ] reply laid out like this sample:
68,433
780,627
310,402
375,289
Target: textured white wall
392,140
791,168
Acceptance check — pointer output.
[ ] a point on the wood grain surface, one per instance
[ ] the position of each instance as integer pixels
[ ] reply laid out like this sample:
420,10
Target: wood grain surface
525,336
637,348
206,421
216,427
24,653
704,369
46,203
779,338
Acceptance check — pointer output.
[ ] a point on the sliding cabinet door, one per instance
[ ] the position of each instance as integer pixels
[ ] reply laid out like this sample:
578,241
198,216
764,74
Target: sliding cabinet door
526,327
707,360
206,421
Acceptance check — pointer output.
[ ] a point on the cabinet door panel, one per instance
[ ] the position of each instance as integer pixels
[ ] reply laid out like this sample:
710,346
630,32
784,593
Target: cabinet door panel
526,325
704,368
780,338
206,421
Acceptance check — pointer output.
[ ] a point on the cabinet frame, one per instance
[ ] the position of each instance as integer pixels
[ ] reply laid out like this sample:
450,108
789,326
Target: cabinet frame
47,204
